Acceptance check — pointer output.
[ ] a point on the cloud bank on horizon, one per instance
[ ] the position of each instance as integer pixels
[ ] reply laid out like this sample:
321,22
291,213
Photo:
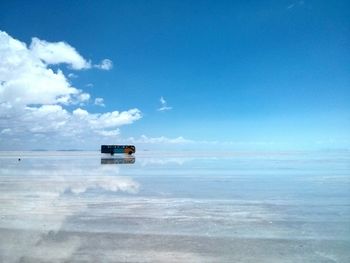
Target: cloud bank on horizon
34,97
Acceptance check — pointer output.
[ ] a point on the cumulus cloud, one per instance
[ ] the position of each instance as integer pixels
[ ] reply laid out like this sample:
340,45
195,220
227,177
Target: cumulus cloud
105,64
35,98
164,105
83,97
99,102
57,53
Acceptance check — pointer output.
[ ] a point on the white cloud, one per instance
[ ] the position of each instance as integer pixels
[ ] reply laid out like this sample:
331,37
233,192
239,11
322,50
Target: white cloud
164,106
143,139
33,96
72,76
55,119
5,131
162,101
26,79
112,133
80,113
100,102
159,140
105,64
98,121
84,97
57,53
296,4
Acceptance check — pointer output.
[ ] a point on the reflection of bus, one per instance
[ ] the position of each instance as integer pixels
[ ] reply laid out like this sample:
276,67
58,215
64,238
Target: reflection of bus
112,149
123,160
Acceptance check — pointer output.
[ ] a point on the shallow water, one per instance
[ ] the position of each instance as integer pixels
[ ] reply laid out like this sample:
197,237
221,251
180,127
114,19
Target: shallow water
175,207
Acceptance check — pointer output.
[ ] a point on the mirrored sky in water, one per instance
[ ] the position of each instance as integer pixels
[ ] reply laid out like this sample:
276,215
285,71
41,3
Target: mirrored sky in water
156,207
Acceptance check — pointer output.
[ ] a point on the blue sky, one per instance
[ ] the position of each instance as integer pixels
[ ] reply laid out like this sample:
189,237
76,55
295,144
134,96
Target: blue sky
249,74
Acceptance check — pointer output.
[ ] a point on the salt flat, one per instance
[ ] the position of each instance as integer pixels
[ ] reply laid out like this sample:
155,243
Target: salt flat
175,207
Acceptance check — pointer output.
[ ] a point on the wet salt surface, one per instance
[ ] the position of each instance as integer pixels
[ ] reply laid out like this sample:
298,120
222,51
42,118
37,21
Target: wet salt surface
175,207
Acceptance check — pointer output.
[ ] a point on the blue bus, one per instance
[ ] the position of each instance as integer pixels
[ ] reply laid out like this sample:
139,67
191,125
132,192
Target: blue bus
112,149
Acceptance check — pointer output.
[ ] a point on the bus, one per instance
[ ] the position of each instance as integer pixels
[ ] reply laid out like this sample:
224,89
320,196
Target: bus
112,149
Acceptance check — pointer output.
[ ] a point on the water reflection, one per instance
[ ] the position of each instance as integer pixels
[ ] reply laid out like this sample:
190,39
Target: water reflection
41,190
178,209
41,197
118,160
